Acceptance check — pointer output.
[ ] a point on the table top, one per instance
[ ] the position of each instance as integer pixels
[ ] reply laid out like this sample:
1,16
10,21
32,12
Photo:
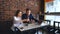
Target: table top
31,26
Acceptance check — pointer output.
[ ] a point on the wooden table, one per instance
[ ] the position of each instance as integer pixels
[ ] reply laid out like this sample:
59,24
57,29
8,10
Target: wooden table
31,26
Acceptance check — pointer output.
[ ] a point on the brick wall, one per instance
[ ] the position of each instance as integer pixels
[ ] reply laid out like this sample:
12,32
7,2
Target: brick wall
9,7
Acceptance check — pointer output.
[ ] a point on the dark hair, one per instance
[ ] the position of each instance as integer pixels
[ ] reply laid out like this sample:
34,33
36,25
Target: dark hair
17,12
27,9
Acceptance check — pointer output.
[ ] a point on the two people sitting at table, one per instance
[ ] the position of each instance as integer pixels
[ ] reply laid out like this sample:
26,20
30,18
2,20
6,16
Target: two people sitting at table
21,18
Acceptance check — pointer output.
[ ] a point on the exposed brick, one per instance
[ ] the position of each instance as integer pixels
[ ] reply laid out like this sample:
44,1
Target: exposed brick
9,7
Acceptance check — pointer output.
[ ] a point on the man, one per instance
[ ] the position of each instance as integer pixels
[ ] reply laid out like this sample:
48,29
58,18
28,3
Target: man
27,17
40,17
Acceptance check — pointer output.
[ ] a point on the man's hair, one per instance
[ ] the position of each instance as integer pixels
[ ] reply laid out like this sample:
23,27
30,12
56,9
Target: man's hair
27,9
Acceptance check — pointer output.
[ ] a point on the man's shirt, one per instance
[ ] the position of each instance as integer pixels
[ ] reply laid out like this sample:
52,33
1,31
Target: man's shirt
24,16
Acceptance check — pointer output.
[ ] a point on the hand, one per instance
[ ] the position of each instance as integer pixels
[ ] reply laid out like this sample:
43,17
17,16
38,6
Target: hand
28,20
25,20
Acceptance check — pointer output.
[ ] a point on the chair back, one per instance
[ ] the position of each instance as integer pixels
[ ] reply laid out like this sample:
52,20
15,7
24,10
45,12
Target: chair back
56,24
48,22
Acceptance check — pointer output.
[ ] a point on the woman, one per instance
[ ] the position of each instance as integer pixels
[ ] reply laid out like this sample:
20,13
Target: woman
17,20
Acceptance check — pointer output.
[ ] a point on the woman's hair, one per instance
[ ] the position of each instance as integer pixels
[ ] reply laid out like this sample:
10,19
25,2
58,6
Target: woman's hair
16,14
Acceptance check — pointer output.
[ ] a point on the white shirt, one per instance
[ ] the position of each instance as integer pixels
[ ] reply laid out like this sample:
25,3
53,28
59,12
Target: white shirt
17,22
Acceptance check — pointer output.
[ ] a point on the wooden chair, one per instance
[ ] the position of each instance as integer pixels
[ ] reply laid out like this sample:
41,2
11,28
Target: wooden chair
47,27
56,28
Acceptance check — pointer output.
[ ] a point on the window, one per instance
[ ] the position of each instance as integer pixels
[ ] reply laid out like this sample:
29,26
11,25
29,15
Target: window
52,10
53,6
